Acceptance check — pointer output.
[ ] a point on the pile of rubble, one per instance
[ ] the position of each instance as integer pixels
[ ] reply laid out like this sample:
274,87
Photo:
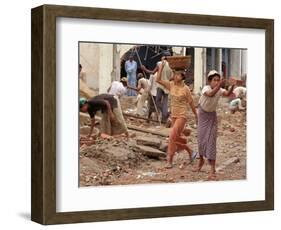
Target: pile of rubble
105,161
141,159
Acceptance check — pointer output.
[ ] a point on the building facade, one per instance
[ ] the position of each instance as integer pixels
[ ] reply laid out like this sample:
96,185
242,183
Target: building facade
102,63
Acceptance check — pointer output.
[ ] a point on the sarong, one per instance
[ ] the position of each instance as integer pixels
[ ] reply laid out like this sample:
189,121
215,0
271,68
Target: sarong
117,127
207,133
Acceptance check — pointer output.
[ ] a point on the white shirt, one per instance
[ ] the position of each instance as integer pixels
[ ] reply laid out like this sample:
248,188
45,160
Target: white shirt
166,74
209,104
240,91
153,84
143,84
117,89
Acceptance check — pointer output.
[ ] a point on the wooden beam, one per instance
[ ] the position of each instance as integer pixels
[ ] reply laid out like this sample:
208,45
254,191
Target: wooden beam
227,163
132,127
138,117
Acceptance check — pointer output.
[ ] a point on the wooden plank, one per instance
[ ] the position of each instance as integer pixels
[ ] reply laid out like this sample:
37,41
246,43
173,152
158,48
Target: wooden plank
227,163
149,141
138,117
150,152
159,133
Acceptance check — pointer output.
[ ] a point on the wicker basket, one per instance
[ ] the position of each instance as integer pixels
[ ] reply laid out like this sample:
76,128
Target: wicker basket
179,62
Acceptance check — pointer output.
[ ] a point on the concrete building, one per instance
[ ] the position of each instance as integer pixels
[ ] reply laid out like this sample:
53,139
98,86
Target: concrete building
102,63
228,62
101,71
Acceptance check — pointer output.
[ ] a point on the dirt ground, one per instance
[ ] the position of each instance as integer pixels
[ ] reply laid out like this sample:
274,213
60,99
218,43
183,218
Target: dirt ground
119,161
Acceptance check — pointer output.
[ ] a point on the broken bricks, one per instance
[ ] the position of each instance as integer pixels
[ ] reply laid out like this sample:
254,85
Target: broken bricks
84,130
129,164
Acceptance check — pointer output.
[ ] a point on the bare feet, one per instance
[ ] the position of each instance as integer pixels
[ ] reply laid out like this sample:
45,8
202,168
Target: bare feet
169,165
212,176
200,165
105,136
182,165
169,161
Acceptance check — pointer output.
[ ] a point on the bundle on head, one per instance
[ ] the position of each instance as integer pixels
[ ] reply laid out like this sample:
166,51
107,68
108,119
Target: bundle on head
179,62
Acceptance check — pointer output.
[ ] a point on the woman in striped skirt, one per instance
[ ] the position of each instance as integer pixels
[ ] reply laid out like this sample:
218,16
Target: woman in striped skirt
207,120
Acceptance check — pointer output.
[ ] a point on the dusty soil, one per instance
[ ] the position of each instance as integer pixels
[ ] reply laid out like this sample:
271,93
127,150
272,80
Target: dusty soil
117,161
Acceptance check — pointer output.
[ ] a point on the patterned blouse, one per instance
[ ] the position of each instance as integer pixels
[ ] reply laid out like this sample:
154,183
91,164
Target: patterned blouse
180,98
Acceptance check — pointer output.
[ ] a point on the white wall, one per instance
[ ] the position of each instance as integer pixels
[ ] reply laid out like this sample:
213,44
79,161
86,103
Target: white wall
15,114
88,52
199,69
123,49
98,70
105,60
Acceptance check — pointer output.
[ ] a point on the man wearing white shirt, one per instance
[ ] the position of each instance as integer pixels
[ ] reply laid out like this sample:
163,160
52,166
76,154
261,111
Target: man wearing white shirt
143,88
240,91
153,93
162,93
118,88
236,104
153,84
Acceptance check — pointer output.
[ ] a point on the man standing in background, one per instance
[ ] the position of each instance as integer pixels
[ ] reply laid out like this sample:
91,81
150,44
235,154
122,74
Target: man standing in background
162,93
131,70
118,88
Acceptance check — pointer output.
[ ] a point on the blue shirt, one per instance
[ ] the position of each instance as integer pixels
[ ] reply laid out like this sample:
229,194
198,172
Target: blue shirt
131,67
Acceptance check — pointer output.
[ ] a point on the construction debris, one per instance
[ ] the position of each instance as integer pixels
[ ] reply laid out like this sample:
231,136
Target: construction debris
163,146
105,160
232,160
139,117
149,141
150,152
162,133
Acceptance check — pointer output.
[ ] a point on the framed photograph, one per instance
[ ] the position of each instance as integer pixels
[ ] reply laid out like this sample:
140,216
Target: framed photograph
139,114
